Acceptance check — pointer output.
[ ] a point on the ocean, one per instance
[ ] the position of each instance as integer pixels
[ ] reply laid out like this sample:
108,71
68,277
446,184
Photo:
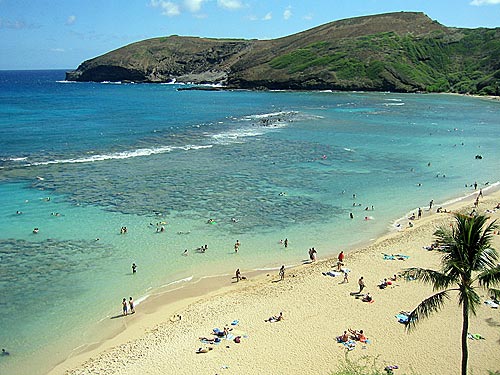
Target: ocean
79,161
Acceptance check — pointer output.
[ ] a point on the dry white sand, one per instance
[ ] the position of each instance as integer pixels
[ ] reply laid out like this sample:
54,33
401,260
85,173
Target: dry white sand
316,308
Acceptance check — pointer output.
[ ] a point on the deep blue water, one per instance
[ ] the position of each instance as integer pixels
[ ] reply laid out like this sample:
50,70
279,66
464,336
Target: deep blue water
81,160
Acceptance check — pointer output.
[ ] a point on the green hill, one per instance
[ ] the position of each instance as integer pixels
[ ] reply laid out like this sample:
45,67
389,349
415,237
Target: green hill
404,52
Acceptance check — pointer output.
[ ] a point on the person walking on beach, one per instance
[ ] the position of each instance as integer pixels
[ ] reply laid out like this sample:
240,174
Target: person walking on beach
238,275
131,305
282,273
430,204
134,268
124,307
361,283
346,276
286,242
236,246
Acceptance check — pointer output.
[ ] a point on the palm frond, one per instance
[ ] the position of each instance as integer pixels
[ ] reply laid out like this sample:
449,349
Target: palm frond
495,293
489,277
426,308
437,279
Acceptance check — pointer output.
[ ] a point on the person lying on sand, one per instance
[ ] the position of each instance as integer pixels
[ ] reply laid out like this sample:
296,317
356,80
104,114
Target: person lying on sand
367,298
206,339
384,283
276,318
219,333
344,337
204,350
358,335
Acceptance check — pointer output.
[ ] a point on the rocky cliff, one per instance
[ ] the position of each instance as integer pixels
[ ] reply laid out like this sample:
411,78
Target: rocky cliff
405,52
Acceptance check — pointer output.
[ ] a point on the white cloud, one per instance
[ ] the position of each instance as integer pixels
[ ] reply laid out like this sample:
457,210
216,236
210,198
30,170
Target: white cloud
287,13
71,20
230,4
7,24
484,2
57,49
168,8
308,17
267,17
193,5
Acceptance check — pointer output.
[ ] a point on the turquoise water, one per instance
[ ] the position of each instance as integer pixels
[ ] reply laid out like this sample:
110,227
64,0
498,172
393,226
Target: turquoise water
284,165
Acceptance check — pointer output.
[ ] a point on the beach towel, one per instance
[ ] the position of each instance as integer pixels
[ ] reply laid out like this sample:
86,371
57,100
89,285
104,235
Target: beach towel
475,336
402,318
396,257
235,322
491,304
349,345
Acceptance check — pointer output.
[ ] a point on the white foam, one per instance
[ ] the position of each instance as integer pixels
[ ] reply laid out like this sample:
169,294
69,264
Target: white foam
17,159
122,155
184,280
272,114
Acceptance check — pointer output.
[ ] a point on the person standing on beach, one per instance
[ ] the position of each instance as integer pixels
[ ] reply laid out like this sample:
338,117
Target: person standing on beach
134,268
419,213
282,272
430,204
131,305
361,283
286,242
238,275
346,276
124,307
236,246
340,261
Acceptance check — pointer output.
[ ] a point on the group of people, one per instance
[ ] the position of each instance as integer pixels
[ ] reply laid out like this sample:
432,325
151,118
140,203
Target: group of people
123,230
312,254
128,307
354,335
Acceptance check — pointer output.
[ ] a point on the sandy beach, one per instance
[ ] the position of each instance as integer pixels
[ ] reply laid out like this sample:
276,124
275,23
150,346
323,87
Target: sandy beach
316,308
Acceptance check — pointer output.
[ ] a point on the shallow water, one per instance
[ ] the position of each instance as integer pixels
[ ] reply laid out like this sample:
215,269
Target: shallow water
283,165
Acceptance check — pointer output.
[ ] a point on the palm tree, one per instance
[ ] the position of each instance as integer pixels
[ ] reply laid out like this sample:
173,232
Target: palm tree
469,262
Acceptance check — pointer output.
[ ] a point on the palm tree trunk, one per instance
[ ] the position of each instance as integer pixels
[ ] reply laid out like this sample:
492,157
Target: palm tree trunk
465,331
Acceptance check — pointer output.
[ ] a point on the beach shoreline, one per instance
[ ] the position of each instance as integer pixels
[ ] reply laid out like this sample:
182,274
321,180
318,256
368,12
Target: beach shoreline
213,302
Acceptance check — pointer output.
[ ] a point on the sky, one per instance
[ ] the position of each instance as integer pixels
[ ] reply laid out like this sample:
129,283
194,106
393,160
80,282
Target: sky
61,34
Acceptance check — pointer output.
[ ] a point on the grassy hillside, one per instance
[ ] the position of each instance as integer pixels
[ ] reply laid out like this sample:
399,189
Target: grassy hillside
405,52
